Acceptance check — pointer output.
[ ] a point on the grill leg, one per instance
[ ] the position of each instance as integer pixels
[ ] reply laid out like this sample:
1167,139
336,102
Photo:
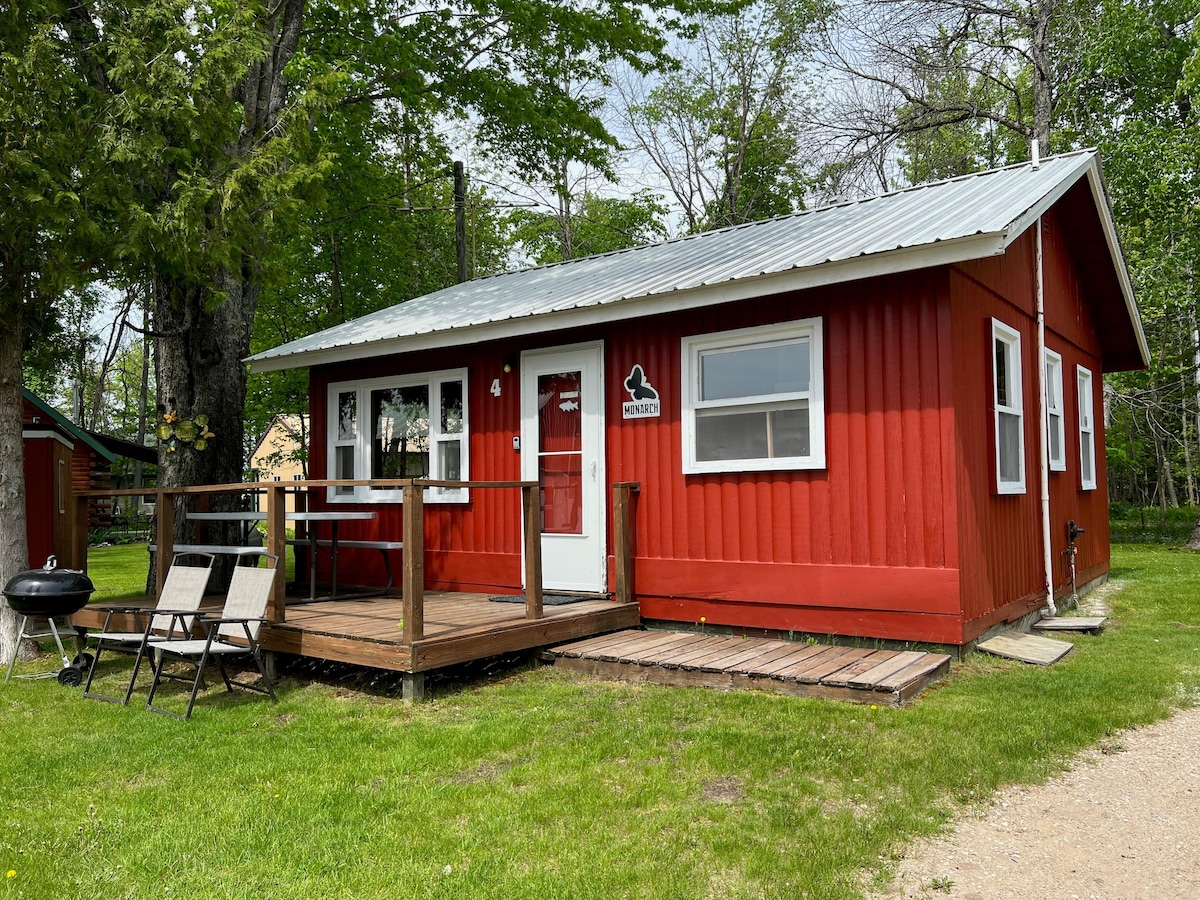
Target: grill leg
62,653
16,649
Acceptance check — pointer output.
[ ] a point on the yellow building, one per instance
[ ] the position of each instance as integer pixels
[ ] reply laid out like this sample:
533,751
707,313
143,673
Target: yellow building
281,454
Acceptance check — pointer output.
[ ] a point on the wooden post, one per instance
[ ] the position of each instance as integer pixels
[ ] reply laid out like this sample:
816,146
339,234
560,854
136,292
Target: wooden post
623,538
165,539
531,502
277,544
79,537
200,534
414,564
301,545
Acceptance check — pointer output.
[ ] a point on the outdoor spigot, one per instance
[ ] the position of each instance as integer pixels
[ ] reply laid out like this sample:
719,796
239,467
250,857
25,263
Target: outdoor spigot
1073,531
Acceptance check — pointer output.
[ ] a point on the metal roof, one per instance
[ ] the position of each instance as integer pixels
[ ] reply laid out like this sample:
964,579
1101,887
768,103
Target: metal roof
963,218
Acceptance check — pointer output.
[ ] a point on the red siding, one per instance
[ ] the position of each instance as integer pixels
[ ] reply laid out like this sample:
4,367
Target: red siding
781,550
473,546
1072,332
869,532
40,496
1002,565
901,535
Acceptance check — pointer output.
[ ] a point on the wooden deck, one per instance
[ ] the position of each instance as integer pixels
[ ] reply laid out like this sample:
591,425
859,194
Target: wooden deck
861,675
459,628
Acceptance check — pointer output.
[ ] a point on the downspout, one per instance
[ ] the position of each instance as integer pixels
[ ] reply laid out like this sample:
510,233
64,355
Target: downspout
1044,431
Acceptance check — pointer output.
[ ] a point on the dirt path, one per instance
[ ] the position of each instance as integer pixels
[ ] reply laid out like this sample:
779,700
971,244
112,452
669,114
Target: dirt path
1124,823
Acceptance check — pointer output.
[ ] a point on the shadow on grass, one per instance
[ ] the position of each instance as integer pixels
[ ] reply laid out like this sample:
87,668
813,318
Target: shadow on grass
439,683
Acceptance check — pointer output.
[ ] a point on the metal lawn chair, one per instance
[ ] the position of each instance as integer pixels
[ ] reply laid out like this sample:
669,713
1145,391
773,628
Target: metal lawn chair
234,633
182,592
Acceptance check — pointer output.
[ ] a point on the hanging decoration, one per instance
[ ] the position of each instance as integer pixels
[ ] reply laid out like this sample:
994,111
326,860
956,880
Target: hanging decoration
174,432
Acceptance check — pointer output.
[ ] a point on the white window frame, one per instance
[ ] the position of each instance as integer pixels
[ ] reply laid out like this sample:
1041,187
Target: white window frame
1011,339
694,346
364,433
1087,427
1055,412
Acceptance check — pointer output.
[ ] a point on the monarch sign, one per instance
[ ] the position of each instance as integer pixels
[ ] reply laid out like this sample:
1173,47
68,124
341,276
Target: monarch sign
643,397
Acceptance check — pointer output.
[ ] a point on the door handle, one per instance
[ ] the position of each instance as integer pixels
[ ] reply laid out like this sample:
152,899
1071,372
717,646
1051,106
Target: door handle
593,470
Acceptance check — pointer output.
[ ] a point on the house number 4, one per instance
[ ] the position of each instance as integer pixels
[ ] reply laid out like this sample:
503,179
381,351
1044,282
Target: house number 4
495,387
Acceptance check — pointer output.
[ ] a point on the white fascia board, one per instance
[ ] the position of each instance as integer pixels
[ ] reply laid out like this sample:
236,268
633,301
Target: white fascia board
42,433
905,259
1090,166
1023,222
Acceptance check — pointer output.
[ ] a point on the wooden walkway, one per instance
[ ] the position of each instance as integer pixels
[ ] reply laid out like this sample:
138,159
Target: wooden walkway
459,627
861,675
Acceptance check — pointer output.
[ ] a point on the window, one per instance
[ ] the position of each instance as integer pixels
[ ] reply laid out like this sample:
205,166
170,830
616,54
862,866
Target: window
416,427
1055,433
1087,430
753,399
1009,412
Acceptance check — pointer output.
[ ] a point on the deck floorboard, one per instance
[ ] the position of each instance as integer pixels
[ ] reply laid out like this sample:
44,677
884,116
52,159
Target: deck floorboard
459,627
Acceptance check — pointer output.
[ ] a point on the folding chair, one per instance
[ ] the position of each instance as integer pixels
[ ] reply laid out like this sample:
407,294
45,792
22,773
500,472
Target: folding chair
240,621
182,593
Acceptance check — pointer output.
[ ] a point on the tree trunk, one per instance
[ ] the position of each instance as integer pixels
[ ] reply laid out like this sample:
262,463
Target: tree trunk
14,547
1043,72
1193,541
199,371
201,340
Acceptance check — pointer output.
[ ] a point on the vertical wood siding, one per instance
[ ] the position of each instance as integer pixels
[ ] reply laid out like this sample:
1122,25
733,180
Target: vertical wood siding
866,545
809,550
40,496
1072,332
469,546
901,535
1001,536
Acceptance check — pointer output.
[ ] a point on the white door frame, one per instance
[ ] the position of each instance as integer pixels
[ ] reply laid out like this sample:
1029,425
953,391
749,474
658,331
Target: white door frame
571,562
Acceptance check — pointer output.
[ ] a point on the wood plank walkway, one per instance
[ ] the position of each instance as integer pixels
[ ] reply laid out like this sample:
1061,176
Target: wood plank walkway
888,677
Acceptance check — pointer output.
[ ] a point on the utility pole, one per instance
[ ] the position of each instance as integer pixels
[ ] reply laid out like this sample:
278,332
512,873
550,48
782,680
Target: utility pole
460,219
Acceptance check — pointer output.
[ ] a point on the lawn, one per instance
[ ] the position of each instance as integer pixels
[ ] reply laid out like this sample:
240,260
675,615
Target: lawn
119,571
531,783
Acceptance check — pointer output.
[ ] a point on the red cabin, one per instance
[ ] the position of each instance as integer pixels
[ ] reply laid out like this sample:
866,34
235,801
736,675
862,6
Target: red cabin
873,419
60,458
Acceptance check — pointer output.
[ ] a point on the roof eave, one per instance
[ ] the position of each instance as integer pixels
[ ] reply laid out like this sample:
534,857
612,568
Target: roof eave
902,259
70,427
1089,166
1109,225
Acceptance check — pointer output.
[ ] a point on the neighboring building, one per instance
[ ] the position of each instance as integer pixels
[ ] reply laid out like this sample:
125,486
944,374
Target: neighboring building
279,453
60,458
834,417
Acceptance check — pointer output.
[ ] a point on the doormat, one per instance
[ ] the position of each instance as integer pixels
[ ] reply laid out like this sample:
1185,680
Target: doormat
549,598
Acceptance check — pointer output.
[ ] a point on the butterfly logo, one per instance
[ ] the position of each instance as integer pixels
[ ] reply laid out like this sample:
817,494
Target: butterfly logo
637,385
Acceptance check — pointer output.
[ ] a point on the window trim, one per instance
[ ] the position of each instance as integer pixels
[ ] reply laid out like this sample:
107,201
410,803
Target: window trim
692,346
1011,338
1053,364
364,431
1083,379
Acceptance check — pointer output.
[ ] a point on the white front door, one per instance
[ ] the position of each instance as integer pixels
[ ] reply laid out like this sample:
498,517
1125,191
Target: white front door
562,448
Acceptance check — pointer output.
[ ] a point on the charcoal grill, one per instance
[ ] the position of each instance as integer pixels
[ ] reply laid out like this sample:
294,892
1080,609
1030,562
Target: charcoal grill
46,599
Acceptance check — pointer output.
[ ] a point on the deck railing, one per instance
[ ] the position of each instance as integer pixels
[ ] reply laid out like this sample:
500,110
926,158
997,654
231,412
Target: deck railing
413,534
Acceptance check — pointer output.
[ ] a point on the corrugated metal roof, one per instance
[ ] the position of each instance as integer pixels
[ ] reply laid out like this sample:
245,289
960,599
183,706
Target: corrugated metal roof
999,203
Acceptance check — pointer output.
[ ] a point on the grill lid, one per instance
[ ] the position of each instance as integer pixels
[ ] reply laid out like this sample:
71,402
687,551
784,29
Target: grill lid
50,581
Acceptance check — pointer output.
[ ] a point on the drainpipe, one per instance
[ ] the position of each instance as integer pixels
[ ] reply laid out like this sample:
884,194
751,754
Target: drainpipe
1044,431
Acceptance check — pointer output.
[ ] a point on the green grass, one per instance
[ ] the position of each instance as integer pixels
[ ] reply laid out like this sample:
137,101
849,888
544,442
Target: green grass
1149,524
120,571
533,783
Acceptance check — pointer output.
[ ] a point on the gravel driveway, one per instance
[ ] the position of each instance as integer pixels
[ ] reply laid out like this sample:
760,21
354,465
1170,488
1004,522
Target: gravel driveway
1123,823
